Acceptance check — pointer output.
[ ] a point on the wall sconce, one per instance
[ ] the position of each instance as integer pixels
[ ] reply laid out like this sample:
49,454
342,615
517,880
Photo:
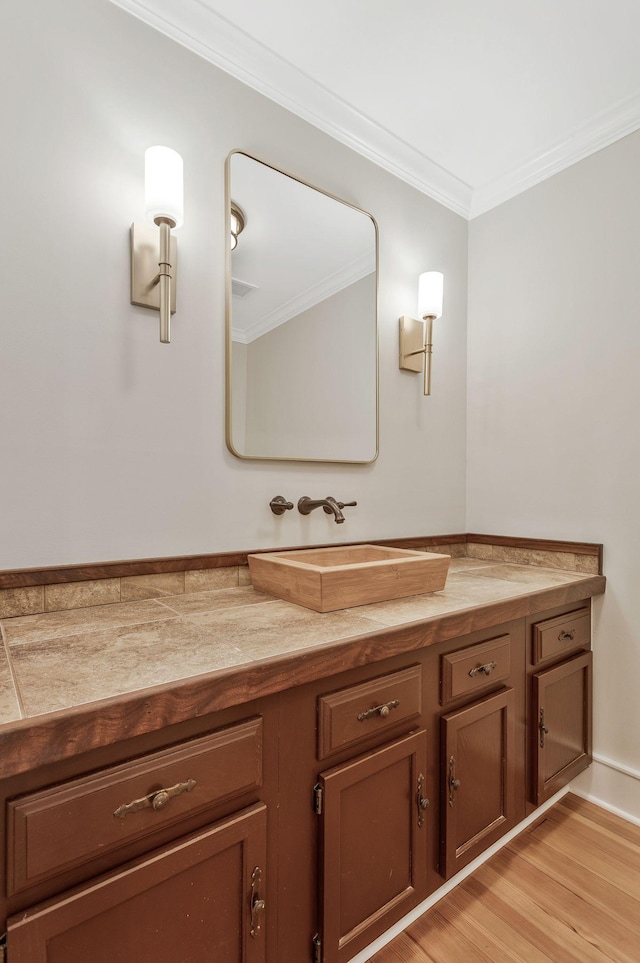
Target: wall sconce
238,221
415,336
153,255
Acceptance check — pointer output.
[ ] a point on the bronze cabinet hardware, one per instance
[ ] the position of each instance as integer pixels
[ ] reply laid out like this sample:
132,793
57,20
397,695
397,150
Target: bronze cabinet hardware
155,800
279,505
543,729
258,905
381,711
454,783
317,949
567,636
486,669
421,800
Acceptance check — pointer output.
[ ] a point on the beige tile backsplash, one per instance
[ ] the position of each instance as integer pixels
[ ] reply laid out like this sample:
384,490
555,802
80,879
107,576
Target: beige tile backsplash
131,588
78,595
136,587
72,595
567,561
210,579
21,601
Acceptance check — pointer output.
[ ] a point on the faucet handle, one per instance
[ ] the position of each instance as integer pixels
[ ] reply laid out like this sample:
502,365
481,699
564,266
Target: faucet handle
340,505
279,505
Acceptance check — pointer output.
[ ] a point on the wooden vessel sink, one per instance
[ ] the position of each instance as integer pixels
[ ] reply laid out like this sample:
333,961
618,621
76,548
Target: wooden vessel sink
326,579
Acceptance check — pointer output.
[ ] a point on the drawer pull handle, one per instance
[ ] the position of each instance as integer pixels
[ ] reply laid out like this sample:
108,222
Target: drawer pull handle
155,800
381,711
422,801
486,669
454,784
258,905
567,636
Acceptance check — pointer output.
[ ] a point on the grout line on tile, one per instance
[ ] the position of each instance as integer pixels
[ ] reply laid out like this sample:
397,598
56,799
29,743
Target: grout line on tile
167,606
229,608
95,630
12,673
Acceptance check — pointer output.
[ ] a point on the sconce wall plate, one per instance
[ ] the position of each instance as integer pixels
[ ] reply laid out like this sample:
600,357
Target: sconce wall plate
416,336
411,344
145,254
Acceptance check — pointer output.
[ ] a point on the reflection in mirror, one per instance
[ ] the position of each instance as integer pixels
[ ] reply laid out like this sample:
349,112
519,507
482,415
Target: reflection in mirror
302,359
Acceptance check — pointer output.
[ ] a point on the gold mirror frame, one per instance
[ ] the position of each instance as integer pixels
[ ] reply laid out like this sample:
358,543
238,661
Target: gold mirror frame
228,320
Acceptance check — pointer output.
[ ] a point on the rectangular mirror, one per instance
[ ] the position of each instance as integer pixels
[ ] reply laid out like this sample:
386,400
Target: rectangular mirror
302,328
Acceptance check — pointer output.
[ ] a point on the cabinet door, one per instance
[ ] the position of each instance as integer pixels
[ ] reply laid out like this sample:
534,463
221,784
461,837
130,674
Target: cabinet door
373,844
197,900
561,724
478,778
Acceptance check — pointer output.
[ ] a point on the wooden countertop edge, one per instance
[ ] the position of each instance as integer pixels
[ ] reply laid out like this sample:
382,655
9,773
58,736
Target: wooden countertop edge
28,743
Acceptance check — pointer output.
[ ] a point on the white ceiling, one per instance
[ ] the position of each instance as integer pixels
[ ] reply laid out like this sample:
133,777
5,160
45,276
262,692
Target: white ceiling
470,102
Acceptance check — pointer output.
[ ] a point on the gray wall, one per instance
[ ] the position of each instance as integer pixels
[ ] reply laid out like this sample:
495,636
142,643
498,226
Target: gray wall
113,444
554,403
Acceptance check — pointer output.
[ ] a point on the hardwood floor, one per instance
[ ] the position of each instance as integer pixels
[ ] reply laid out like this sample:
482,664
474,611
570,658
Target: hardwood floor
566,890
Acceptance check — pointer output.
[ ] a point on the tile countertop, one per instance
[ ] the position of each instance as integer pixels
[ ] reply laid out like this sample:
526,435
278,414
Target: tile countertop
73,680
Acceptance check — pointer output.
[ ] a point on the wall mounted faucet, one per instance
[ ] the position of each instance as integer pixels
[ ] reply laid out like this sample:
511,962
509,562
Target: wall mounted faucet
306,505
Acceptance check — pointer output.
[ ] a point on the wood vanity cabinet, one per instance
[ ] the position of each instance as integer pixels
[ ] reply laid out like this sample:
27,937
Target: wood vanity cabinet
301,826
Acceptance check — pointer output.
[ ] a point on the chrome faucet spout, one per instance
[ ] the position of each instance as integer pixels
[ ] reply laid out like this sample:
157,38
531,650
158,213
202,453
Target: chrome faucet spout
306,505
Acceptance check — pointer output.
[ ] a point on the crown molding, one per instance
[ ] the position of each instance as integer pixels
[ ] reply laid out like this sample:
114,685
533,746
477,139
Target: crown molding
354,271
598,132
193,25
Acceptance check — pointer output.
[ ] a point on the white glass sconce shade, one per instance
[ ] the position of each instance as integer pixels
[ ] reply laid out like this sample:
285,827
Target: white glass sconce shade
163,185
430,294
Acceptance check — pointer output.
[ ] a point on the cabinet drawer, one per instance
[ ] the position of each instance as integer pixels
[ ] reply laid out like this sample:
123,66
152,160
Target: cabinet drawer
351,715
475,668
64,826
562,634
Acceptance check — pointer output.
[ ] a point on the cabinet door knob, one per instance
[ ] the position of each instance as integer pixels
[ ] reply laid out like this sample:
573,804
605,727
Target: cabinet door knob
567,636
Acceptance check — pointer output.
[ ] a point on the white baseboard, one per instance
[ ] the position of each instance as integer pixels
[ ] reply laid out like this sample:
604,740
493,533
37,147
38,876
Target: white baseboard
611,785
406,921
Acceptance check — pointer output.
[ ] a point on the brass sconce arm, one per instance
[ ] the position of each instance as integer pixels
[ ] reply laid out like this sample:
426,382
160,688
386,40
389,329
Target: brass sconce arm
153,271
409,331
164,277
